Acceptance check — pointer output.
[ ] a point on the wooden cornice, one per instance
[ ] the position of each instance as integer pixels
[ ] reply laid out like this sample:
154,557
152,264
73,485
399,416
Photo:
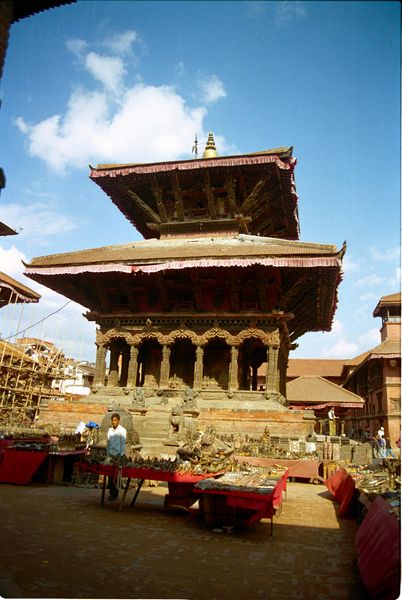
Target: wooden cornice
143,206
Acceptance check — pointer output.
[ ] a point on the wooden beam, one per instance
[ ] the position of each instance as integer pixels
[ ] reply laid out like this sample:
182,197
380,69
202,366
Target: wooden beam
210,196
198,295
230,186
178,205
151,214
158,195
251,198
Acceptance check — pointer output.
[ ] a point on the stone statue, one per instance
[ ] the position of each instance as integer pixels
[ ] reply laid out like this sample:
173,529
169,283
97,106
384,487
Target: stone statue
176,422
189,398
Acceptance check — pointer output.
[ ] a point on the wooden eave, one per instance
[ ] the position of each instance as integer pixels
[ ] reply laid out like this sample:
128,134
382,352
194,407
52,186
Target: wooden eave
154,197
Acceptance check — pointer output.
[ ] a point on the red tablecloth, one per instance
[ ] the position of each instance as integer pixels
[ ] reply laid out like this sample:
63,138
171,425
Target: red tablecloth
304,469
341,485
262,505
151,474
19,466
378,550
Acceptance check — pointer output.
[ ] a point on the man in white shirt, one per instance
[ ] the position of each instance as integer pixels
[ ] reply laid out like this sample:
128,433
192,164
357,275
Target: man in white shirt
331,421
116,447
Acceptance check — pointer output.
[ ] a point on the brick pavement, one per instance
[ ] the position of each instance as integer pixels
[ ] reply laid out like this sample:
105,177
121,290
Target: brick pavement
57,542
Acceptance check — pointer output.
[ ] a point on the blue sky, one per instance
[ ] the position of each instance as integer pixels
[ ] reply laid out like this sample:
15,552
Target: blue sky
96,82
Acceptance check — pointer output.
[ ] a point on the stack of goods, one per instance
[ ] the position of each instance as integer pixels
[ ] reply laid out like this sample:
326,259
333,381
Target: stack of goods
379,479
255,482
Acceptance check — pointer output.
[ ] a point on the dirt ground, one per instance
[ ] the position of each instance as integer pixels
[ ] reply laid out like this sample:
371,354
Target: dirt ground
58,542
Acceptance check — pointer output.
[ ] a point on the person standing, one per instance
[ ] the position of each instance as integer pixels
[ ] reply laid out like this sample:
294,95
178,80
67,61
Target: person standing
388,448
331,421
116,447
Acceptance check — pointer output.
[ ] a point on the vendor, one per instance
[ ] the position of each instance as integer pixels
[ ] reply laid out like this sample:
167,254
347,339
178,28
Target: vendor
116,447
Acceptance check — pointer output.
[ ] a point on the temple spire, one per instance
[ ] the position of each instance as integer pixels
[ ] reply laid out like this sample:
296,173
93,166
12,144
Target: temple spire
210,148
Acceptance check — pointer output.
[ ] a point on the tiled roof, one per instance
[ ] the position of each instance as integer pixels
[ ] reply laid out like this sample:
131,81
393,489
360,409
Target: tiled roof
387,301
243,246
298,367
12,291
317,390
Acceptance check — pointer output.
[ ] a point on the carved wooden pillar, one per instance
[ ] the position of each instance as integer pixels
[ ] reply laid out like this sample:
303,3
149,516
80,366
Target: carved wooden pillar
165,367
234,368
198,367
272,377
132,368
113,379
100,366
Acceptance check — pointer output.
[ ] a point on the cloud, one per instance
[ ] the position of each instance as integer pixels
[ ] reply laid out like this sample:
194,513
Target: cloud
289,11
76,46
115,123
37,220
349,265
369,339
341,349
385,255
37,320
121,43
395,281
108,70
212,89
369,280
367,296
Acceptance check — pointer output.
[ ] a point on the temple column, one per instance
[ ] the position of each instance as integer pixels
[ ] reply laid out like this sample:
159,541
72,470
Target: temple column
113,379
165,367
100,366
132,368
234,368
272,377
198,367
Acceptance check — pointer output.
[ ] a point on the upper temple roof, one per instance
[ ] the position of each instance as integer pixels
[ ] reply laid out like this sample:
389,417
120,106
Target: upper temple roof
251,193
167,249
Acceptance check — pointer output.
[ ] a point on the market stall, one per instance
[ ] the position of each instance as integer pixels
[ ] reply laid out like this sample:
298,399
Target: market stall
378,548
307,468
180,481
241,498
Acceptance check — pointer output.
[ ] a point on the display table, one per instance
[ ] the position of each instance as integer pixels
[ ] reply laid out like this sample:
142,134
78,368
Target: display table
303,469
19,466
234,507
378,551
342,486
180,484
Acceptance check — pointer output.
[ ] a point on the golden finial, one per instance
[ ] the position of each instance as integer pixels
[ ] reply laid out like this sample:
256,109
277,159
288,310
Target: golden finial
210,148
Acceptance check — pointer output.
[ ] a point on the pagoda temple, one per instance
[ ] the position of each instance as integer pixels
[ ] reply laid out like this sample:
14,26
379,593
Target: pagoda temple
220,285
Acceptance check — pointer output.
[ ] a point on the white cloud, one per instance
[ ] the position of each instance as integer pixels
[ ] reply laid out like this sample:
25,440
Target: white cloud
121,43
367,296
288,11
37,220
350,265
212,89
341,349
385,255
109,70
369,339
395,281
141,123
76,46
37,320
369,280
